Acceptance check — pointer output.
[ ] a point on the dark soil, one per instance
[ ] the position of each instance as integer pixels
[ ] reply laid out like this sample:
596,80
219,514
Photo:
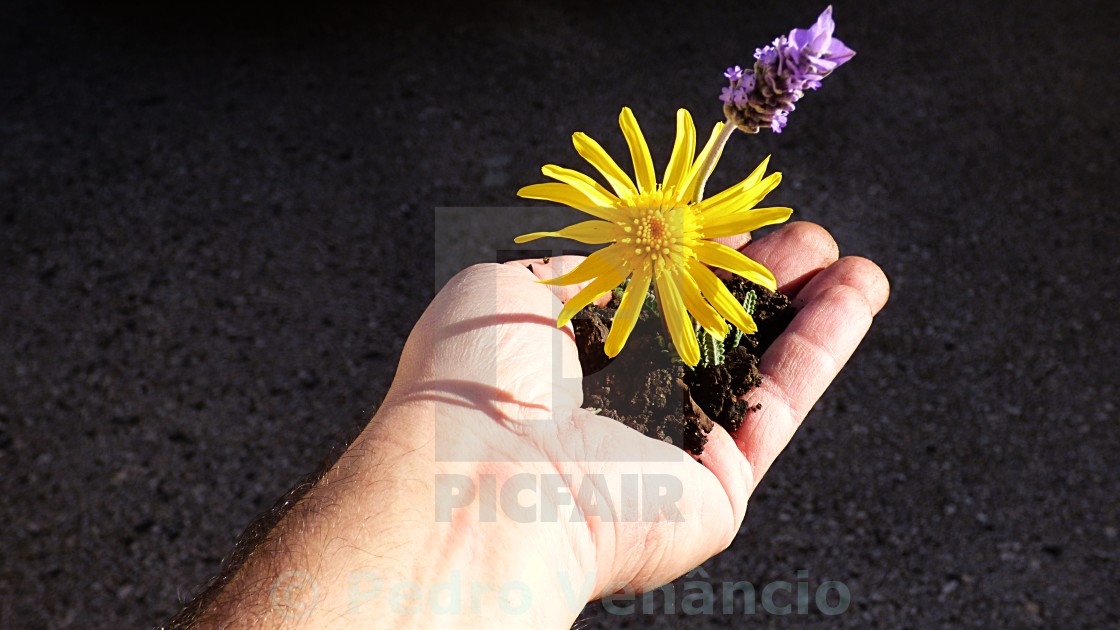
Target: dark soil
649,389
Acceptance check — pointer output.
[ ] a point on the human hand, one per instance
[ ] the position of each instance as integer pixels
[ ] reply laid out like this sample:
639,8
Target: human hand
486,409
490,341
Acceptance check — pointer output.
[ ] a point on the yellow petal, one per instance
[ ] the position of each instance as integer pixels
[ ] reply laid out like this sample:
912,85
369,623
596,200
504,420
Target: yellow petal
705,315
692,179
743,222
571,197
721,298
597,157
722,256
591,232
581,182
677,320
755,176
683,148
639,150
589,294
751,180
757,173
740,199
599,263
627,315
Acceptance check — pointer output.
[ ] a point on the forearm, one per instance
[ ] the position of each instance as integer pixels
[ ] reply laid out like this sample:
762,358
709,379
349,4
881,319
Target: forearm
371,545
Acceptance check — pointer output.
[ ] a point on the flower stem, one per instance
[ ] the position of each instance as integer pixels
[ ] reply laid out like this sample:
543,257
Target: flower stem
709,163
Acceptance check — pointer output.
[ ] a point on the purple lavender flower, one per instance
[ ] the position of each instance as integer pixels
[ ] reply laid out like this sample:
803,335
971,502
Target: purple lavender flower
764,96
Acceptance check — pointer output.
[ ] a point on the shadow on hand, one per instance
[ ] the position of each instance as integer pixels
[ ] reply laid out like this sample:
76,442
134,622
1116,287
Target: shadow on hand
503,319
475,396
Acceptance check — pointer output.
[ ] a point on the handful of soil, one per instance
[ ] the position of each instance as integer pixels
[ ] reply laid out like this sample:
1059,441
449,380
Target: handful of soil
648,388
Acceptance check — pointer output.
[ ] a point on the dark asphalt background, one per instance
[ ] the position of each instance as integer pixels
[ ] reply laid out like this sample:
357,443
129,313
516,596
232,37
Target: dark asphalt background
217,226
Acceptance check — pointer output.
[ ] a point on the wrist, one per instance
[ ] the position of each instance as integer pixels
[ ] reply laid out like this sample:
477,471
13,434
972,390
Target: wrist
394,537
468,560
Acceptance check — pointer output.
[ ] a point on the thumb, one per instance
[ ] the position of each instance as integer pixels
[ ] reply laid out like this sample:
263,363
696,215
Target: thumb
667,512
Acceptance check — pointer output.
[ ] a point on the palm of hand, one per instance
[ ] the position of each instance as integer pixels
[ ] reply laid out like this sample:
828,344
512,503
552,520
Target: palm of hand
506,384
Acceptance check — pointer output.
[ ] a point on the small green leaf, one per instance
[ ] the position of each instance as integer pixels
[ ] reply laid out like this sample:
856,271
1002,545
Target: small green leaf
735,337
711,349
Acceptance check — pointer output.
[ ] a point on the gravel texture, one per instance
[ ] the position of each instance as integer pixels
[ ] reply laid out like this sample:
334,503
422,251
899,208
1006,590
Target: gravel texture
216,229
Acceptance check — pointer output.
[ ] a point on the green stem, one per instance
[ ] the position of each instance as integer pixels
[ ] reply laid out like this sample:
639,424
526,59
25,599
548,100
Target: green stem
709,163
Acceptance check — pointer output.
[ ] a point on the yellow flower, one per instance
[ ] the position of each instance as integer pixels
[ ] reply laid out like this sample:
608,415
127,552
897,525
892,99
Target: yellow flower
660,234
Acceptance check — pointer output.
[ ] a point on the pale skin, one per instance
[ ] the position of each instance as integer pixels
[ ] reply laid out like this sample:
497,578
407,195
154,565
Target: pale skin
488,388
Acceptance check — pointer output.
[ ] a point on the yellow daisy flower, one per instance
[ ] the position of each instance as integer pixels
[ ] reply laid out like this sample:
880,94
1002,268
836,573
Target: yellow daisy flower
660,234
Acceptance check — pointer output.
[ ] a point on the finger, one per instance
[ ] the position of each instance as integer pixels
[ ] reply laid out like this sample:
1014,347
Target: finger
739,241
677,511
798,367
859,273
722,456
795,253
549,268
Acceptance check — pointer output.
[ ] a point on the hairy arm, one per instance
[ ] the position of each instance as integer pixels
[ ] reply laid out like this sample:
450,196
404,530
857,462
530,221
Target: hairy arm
367,545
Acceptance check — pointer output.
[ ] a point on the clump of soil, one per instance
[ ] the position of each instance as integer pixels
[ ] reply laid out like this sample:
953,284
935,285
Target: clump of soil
648,388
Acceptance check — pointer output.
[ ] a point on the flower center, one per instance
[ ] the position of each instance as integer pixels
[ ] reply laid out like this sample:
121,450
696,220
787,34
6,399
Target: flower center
657,233
652,236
